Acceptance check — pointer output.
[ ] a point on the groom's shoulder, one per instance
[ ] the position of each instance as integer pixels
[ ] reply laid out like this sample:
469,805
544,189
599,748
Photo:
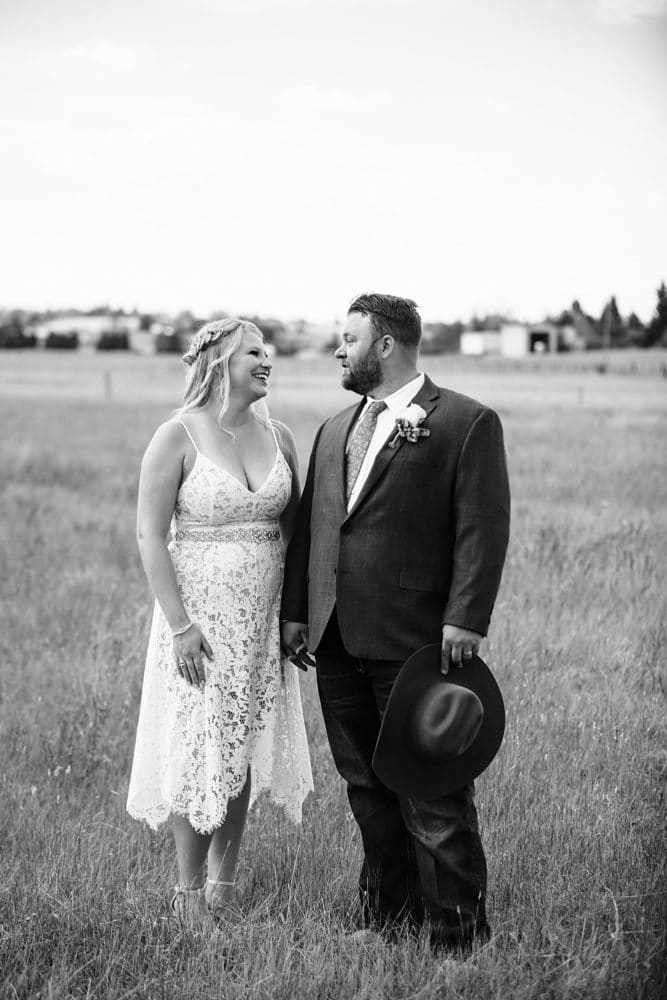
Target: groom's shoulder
452,402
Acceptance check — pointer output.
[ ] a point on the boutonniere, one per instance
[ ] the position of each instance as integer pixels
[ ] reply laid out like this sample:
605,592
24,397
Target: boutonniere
407,425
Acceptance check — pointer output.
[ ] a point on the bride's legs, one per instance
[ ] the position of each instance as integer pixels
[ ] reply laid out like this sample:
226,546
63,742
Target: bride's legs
189,903
191,851
223,851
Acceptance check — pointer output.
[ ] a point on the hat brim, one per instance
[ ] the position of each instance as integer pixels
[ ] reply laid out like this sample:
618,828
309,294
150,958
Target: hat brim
396,764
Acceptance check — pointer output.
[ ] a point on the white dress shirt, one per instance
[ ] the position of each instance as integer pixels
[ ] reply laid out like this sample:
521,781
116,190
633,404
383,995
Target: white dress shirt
385,425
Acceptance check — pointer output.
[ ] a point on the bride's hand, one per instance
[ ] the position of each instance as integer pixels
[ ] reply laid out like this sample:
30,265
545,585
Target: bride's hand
188,649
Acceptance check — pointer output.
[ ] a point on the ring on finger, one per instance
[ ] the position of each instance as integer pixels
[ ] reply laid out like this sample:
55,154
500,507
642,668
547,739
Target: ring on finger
467,654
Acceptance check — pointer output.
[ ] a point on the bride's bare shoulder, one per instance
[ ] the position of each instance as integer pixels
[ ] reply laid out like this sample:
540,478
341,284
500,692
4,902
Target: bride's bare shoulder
285,437
171,437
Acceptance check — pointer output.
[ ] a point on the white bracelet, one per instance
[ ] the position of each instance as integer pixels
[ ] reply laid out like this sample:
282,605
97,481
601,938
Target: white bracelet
181,631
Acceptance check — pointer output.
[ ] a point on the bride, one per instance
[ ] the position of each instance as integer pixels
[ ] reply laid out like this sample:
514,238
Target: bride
220,718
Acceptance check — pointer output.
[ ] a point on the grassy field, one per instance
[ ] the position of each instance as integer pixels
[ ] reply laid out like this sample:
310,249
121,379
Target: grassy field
572,809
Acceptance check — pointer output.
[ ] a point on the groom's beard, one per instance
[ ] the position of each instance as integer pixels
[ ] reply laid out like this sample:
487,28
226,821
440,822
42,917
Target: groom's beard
366,374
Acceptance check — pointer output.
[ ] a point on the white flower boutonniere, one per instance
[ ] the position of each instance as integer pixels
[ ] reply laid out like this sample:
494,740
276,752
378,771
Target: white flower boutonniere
407,425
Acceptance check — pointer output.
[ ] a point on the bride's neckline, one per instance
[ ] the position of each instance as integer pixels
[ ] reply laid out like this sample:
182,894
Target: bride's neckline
226,472
230,475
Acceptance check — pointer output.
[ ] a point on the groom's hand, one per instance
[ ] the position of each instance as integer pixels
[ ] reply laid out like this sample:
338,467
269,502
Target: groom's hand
458,646
295,644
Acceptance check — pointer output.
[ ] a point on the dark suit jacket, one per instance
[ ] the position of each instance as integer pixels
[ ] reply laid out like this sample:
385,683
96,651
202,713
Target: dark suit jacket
424,544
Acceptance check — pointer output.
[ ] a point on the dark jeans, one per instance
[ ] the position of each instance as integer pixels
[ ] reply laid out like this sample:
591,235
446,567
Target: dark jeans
423,861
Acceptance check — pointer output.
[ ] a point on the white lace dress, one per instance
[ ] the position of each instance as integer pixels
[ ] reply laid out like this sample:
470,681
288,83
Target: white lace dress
194,746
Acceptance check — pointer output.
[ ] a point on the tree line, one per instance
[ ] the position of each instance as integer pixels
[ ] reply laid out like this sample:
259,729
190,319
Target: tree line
608,330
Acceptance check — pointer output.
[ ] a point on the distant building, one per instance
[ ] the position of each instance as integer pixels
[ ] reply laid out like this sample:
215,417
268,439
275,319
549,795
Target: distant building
88,328
478,342
541,338
517,340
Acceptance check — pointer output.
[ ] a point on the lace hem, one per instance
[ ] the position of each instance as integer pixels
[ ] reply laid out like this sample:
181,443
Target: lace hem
279,766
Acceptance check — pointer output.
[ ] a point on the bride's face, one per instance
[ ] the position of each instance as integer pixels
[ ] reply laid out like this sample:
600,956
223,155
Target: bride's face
250,367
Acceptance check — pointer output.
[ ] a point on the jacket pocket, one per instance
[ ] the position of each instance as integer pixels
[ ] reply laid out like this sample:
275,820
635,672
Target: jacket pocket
434,582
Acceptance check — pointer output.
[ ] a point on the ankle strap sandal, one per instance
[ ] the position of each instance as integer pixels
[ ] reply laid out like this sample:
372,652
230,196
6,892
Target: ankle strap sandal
189,906
223,905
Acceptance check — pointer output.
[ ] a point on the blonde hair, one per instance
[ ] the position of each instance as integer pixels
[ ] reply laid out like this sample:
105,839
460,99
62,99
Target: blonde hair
207,358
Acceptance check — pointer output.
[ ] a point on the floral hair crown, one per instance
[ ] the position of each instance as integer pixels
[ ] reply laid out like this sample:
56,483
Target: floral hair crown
208,335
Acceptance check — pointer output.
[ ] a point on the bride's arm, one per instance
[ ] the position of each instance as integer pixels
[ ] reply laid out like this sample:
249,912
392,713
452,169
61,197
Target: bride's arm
161,476
159,482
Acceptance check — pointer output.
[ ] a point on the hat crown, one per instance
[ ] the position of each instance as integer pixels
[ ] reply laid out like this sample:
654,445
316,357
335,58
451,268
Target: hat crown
444,722
438,733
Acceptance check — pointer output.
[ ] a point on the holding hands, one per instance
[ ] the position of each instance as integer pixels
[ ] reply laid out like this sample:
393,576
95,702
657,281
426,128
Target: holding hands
295,644
458,645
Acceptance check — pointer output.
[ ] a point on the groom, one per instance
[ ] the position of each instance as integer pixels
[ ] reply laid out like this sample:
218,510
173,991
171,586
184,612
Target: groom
400,541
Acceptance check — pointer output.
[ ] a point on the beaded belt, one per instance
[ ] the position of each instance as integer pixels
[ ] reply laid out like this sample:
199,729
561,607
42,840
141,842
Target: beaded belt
233,533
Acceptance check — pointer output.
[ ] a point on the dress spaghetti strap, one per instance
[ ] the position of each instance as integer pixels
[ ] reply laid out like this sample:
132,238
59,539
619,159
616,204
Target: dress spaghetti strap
194,443
281,447
275,436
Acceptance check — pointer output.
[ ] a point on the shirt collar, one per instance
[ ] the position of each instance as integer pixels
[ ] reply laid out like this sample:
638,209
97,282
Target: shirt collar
399,399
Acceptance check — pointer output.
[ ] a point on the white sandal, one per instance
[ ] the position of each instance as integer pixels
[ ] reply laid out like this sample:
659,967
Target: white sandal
189,907
220,904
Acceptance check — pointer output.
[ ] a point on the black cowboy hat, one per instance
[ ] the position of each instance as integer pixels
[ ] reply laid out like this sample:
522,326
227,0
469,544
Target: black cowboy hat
438,732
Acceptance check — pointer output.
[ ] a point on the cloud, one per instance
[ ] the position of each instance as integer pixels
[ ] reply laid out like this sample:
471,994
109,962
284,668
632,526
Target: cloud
629,11
311,98
96,54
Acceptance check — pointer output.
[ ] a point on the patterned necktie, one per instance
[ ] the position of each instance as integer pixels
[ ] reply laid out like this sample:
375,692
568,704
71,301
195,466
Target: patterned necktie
361,438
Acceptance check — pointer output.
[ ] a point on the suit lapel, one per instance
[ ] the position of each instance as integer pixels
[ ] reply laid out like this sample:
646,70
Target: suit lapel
427,398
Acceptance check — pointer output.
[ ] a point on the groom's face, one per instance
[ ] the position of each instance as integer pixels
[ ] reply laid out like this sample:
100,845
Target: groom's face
358,355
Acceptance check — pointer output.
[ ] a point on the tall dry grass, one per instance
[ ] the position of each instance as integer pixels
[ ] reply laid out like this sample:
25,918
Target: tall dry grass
572,809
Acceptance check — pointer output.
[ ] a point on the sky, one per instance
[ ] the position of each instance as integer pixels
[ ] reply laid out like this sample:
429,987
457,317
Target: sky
278,157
